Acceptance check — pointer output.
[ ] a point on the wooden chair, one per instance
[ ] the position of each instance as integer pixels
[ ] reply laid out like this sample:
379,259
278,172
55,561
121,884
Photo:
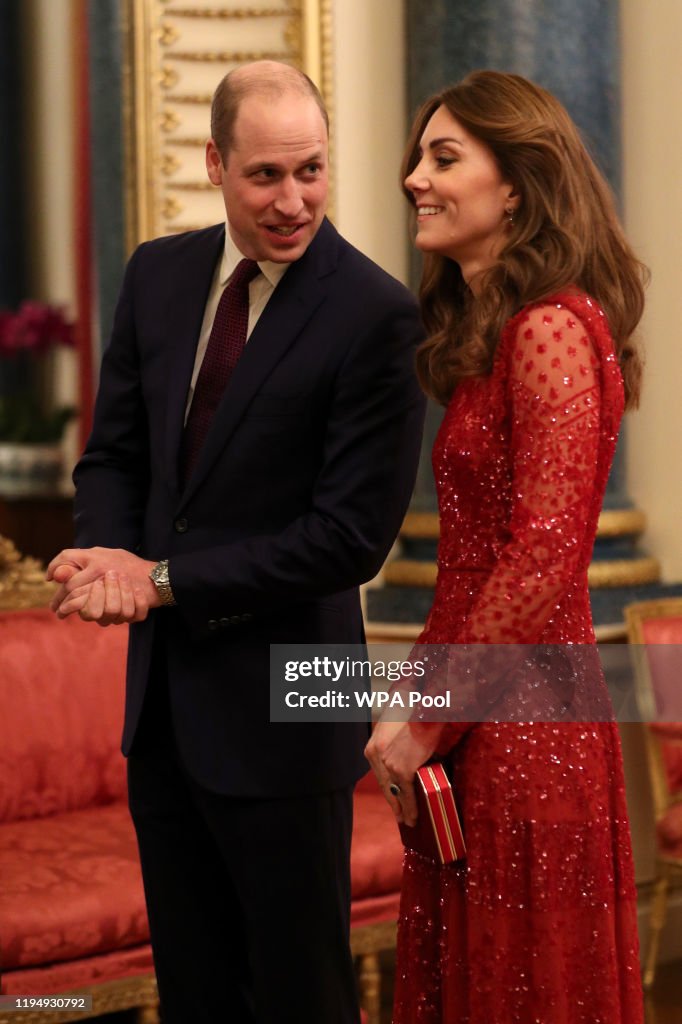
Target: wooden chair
376,871
655,631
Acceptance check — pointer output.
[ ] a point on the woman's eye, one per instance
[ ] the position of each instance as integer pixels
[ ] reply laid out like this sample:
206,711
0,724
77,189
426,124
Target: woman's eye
445,161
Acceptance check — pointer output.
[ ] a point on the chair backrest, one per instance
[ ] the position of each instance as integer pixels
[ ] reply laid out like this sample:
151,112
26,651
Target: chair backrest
655,633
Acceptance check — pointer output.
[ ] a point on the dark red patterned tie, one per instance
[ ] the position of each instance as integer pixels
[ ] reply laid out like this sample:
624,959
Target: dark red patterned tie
225,346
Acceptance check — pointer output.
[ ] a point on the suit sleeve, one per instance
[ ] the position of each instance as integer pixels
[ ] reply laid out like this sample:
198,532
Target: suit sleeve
371,450
112,477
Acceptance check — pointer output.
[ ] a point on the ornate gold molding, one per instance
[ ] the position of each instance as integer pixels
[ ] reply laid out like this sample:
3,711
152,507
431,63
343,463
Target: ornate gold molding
390,632
627,522
407,572
204,99
626,572
137,993
407,632
318,63
229,57
185,140
182,226
621,522
170,70
421,525
191,186
22,580
224,12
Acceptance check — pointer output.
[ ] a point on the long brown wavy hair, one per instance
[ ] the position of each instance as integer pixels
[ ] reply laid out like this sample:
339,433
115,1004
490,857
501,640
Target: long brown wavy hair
565,233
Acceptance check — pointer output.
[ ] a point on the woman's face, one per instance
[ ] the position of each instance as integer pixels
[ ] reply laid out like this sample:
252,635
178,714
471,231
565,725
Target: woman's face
462,201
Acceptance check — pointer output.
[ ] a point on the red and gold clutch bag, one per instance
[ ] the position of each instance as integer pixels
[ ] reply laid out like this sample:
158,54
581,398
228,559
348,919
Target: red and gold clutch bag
438,833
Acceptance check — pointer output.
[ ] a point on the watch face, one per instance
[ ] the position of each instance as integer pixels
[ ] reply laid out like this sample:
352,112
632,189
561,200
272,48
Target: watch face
160,578
159,571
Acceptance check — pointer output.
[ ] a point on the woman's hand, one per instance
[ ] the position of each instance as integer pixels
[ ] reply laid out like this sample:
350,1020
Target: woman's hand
395,751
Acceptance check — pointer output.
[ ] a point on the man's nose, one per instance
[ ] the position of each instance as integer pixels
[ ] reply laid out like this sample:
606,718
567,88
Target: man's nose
289,201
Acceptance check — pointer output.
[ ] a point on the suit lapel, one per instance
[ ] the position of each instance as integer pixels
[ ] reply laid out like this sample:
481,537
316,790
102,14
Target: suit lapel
293,302
184,318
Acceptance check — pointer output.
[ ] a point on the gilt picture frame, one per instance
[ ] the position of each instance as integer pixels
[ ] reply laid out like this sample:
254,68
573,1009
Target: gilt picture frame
176,51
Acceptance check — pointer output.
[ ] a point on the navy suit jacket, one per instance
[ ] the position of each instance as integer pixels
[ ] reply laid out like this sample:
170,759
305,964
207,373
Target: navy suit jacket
294,501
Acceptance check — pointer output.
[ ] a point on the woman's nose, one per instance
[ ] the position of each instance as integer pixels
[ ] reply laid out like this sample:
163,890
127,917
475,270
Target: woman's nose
416,180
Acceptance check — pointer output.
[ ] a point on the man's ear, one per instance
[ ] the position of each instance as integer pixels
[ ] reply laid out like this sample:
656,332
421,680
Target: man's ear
214,163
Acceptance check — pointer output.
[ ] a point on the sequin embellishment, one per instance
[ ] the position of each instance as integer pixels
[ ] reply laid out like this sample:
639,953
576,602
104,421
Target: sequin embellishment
538,926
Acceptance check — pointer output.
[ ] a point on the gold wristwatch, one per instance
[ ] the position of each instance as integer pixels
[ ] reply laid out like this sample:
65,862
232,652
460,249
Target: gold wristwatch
159,577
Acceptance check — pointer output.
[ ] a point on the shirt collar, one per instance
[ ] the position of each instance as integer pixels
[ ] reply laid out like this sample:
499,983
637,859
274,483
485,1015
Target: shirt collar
274,272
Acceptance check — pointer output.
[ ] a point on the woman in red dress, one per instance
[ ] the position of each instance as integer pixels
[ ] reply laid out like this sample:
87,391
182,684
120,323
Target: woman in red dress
530,295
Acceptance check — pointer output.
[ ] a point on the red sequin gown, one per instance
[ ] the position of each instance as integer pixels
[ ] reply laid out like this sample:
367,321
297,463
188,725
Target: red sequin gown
538,925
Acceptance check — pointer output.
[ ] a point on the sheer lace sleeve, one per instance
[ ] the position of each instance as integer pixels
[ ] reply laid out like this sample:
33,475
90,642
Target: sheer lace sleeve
554,394
554,399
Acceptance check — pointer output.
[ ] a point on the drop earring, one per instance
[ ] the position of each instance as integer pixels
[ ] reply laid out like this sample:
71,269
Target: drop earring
510,215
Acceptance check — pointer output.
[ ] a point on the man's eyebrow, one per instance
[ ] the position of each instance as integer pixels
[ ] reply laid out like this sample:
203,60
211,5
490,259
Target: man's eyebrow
314,158
257,165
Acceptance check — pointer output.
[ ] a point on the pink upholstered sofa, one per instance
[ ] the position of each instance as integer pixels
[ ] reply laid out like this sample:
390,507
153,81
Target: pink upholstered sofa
72,914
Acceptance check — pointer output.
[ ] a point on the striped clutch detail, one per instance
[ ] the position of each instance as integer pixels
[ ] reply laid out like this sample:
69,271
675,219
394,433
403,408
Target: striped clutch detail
438,832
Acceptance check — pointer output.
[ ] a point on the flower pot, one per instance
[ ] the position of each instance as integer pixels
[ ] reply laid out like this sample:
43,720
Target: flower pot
29,470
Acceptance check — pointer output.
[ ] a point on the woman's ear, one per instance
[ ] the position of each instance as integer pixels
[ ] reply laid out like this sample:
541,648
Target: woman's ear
513,199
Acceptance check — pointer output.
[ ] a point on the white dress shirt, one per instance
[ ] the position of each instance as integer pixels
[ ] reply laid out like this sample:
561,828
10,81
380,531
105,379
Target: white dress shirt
260,290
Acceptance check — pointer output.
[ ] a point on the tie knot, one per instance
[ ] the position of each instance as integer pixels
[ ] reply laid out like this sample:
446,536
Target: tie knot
244,273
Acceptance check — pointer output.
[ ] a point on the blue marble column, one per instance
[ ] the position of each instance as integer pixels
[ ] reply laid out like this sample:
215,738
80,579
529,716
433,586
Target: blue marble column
570,47
11,177
106,132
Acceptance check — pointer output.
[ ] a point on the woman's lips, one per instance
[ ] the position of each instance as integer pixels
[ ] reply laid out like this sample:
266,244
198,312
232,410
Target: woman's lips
429,211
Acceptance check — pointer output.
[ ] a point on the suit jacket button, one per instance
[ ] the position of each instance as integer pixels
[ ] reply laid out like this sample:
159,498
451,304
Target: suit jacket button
224,623
212,624
246,617
181,526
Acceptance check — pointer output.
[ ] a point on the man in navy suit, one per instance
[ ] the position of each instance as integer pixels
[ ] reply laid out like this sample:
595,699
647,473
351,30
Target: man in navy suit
291,500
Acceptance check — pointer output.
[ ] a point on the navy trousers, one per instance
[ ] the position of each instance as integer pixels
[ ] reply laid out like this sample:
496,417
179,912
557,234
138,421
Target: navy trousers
248,900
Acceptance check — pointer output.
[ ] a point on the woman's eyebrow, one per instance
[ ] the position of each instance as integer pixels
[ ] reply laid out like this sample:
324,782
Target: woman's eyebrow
445,138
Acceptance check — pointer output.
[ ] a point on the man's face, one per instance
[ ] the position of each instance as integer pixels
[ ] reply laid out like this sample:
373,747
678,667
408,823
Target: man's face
275,182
